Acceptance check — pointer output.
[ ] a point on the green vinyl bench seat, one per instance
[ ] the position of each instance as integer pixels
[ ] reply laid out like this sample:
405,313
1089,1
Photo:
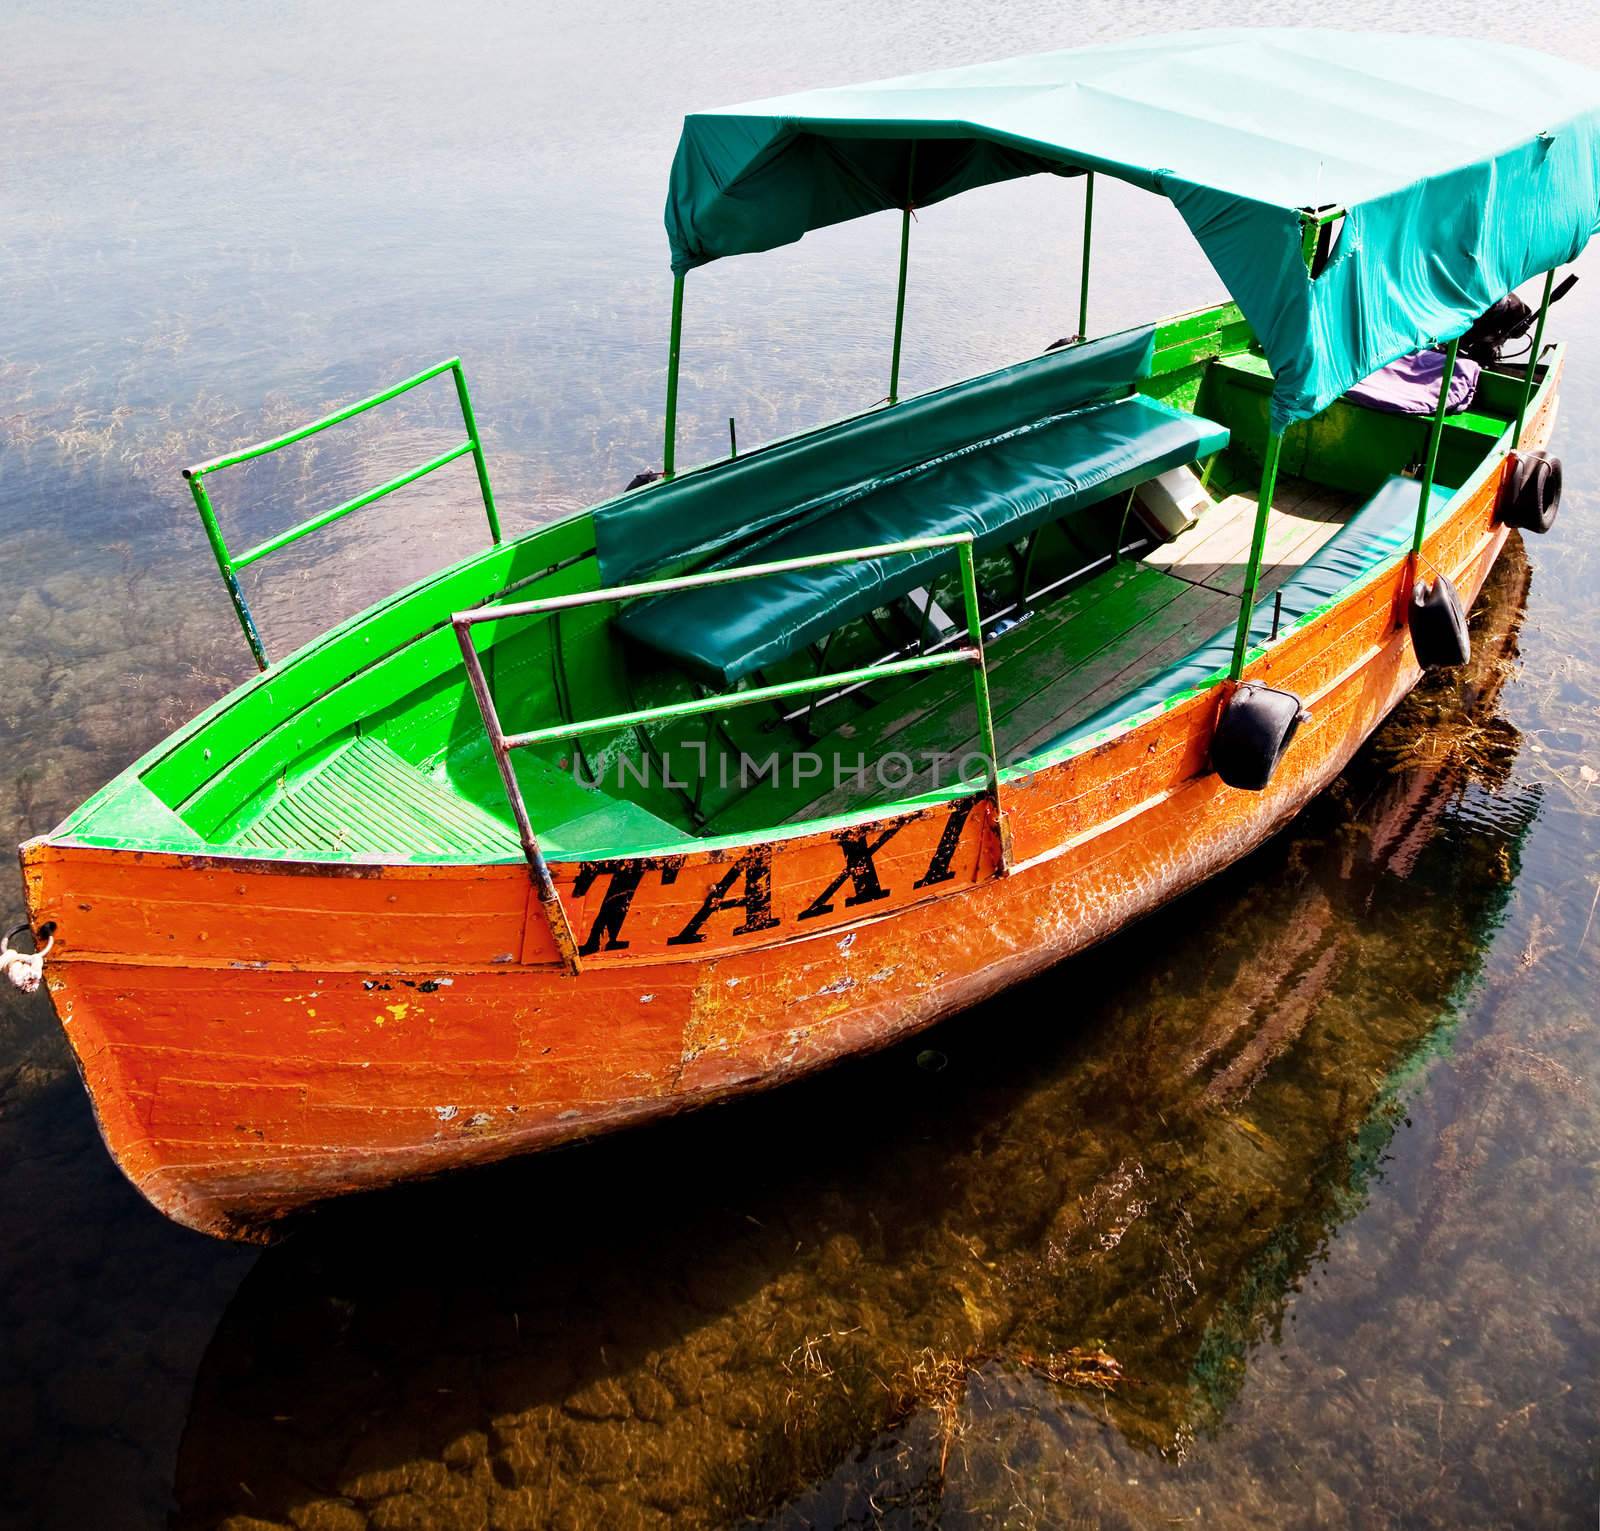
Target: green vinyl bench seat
1379,531
998,490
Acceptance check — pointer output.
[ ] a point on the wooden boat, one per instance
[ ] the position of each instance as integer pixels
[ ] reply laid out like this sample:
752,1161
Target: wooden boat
710,785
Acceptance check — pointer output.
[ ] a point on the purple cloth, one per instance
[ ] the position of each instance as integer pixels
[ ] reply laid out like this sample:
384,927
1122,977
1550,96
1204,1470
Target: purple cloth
1410,386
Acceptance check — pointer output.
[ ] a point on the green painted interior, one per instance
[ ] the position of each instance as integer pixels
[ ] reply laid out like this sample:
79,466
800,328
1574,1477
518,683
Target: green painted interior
366,744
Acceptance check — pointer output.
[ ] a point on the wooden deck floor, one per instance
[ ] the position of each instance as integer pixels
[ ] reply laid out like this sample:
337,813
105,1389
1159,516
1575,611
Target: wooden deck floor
1215,550
1062,664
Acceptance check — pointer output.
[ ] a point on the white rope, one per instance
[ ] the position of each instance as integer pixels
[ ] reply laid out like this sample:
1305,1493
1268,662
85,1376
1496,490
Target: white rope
24,969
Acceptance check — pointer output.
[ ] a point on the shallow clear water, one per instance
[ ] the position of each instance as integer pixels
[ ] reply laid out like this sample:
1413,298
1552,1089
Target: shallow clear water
1055,1263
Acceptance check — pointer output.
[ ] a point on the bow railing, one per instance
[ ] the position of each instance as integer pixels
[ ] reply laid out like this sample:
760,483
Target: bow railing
230,563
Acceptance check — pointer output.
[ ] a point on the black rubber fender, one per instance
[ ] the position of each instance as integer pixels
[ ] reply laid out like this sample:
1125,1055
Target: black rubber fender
1252,734
1530,494
1438,624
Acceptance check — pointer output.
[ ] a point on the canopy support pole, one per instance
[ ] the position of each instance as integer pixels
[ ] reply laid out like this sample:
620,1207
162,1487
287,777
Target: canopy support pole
1088,233
1258,542
900,296
669,447
1533,358
1434,438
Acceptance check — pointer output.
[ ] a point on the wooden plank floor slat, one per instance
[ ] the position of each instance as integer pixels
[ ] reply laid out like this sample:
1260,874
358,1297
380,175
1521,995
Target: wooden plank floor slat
871,734
1068,660
1215,550
1162,637
1044,670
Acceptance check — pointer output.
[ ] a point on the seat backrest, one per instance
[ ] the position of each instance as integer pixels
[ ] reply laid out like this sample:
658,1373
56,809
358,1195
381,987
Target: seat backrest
696,516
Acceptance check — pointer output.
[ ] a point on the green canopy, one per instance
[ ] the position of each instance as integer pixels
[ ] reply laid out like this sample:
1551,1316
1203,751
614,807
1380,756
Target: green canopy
1464,169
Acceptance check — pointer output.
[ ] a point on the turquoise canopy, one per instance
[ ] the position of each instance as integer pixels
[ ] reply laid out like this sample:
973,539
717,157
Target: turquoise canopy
1463,168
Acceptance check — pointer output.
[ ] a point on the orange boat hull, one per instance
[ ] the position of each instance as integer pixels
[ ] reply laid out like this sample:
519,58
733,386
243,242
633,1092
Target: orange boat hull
260,1035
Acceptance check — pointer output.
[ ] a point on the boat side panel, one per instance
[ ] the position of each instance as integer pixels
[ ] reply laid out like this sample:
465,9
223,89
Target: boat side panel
169,910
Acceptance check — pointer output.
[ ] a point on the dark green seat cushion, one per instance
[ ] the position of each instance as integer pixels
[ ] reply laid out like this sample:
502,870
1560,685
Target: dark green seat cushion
997,490
710,512
1380,530
1383,527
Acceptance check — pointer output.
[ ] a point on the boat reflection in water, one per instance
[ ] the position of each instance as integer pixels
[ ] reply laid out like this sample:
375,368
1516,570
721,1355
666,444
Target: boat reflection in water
890,1291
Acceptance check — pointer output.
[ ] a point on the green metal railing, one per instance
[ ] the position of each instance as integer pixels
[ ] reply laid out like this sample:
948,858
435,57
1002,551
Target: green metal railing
1430,464
229,563
1312,223
1258,544
503,743
1533,359
669,444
